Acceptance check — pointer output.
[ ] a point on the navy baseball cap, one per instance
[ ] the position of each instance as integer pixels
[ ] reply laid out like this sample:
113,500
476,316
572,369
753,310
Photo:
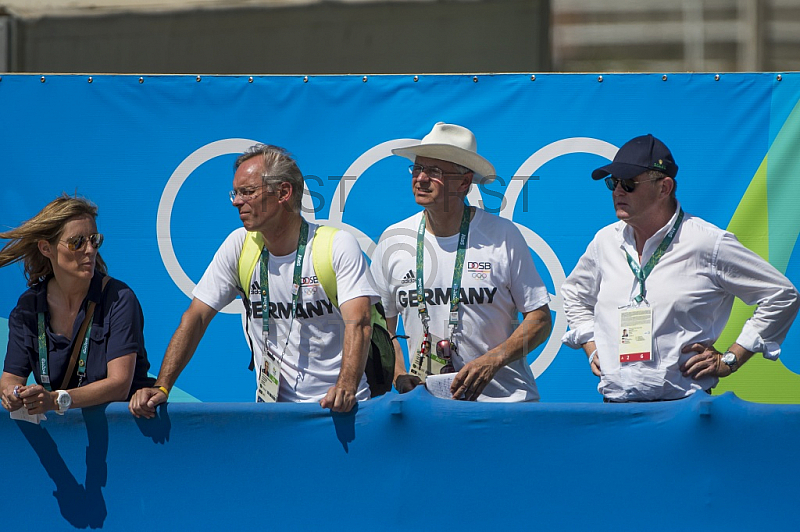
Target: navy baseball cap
638,156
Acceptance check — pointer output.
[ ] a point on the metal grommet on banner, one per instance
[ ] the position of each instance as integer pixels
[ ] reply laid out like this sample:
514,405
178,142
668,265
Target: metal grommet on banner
600,79
475,79
197,78
716,77
364,79
90,79
41,79
664,77
779,77
305,79
416,79
250,79
533,77
141,80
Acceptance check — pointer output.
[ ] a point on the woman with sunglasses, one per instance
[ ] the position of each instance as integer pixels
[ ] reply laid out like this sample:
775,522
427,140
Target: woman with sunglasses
77,330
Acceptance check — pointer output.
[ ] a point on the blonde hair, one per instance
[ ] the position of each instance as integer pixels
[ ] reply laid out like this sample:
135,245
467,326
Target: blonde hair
47,225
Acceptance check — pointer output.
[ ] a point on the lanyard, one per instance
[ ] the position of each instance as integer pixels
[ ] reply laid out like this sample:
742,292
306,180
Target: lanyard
642,273
455,293
44,365
296,280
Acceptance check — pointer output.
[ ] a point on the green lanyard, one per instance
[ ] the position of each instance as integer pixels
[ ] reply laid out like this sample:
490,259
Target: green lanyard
642,273
455,294
44,366
296,280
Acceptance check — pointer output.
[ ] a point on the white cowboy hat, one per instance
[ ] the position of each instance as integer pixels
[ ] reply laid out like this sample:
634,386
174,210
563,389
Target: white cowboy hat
456,144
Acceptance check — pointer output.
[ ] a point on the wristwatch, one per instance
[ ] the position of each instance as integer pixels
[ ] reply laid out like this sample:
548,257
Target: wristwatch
730,360
63,401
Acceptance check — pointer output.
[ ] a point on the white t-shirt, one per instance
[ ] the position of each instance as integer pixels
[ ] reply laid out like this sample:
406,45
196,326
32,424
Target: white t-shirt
499,280
313,355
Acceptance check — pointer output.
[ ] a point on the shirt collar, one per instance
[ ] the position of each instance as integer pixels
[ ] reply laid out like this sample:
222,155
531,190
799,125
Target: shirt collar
95,291
628,241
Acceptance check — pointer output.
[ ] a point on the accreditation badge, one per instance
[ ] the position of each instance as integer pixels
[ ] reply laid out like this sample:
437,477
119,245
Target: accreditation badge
635,335
425,361
269,380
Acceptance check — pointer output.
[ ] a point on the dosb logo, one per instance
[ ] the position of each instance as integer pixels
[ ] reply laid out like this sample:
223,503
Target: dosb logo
484,267
479,270
309,281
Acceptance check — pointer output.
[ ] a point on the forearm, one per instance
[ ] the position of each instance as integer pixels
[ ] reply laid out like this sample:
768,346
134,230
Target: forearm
742,354
356,314
115,387
531,332
179,352
399,359
98,392
11,380
589,348
184,342
354,354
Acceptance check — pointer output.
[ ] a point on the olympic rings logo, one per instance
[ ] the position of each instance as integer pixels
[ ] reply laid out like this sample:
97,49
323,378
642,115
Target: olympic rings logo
480,275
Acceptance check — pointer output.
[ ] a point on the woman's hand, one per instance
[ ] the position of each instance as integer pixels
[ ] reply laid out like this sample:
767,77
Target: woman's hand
10,397
38,400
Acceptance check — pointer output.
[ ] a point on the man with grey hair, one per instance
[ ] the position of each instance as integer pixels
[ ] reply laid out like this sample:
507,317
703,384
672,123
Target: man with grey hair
459,276
308,348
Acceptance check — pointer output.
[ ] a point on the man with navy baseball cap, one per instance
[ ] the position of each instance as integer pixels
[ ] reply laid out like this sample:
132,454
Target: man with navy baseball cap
652,293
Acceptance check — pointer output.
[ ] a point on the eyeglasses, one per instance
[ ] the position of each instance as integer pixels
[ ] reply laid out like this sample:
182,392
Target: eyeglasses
77,242
246,194
433,172
628,185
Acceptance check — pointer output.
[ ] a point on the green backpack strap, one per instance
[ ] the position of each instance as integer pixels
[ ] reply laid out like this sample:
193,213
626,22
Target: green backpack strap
251,251
322,255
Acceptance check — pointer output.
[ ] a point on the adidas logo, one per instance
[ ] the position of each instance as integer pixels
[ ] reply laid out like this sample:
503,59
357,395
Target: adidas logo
409,277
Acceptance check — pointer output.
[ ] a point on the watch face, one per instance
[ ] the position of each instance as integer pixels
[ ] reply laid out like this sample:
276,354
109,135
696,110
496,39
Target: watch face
729,358
64,400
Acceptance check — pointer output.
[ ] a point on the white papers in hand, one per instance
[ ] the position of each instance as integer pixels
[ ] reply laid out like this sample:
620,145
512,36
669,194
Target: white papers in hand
439,385
22,414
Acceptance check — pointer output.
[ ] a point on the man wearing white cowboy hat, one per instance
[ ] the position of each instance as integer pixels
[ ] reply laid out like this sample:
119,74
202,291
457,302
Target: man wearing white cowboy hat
451,249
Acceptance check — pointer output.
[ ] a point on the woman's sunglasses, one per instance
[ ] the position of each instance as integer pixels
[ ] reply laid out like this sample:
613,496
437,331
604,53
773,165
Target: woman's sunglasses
77,242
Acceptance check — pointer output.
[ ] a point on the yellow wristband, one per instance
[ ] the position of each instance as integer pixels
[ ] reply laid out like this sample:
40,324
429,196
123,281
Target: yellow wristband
166,392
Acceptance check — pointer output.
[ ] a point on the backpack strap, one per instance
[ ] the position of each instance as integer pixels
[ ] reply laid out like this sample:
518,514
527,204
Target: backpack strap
322,255
251,251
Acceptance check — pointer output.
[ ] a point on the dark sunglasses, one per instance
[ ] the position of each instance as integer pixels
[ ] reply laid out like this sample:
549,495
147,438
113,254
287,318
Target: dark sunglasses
628,185
77,243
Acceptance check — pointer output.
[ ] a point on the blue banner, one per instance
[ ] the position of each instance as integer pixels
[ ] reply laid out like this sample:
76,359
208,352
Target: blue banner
155,154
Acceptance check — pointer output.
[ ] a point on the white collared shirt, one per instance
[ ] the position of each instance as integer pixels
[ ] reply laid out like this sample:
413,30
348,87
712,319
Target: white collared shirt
691,291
